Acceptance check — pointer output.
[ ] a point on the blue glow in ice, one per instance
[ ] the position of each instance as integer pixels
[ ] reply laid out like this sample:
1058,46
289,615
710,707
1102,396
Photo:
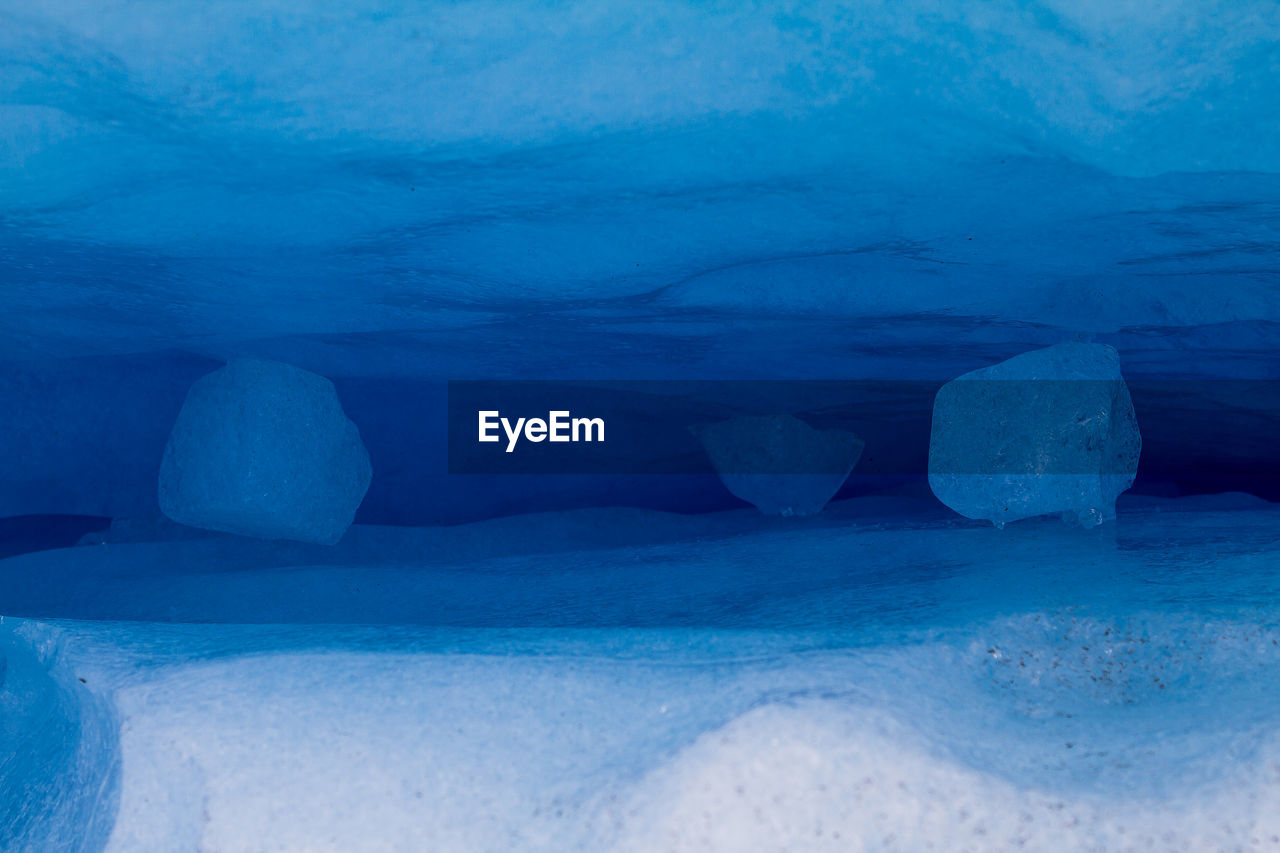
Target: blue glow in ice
1048,431
392,195
264,449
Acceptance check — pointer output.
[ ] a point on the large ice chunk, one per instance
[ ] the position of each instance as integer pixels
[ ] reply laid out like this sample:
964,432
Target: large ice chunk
1048,431
262,448
779,463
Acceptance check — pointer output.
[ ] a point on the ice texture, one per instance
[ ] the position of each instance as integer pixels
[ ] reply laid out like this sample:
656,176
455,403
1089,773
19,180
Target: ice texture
965,687
778,463
1047,431
390,195
398,194
947,134
58,766
262,448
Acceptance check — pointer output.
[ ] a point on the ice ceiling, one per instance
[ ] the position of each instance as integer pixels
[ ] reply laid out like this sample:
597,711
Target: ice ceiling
398,194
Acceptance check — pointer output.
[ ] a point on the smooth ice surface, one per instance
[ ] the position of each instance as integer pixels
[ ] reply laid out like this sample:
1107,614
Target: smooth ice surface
1049,431
264,449
778,463
923,680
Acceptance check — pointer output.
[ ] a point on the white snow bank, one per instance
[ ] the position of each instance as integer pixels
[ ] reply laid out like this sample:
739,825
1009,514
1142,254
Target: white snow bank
646,741
911,682
824,777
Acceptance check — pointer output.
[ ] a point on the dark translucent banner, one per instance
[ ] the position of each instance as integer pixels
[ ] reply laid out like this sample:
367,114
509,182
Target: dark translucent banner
1013,427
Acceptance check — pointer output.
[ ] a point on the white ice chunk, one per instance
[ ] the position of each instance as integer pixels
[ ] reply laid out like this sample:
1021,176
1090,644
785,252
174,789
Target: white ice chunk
779,463
1048,431
264,449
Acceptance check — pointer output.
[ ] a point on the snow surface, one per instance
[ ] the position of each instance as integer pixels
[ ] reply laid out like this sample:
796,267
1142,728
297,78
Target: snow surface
924,680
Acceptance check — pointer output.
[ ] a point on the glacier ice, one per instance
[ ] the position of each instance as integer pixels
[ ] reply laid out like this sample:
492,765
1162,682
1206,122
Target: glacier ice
263,449
778,463
1048,431
397,195
58,751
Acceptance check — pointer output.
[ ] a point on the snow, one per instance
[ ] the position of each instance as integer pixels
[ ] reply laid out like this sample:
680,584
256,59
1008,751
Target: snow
923,680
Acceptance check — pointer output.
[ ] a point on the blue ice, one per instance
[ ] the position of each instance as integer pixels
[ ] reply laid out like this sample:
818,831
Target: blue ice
392,196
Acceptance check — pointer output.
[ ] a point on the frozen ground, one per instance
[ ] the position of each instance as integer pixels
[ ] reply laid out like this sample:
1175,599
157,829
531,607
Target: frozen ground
879,677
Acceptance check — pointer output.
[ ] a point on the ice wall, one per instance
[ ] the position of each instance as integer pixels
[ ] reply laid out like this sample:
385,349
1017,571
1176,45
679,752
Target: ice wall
409,193
60,767
1031,162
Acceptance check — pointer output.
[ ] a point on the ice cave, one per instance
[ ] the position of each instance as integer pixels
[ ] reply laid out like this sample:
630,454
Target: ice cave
927,360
